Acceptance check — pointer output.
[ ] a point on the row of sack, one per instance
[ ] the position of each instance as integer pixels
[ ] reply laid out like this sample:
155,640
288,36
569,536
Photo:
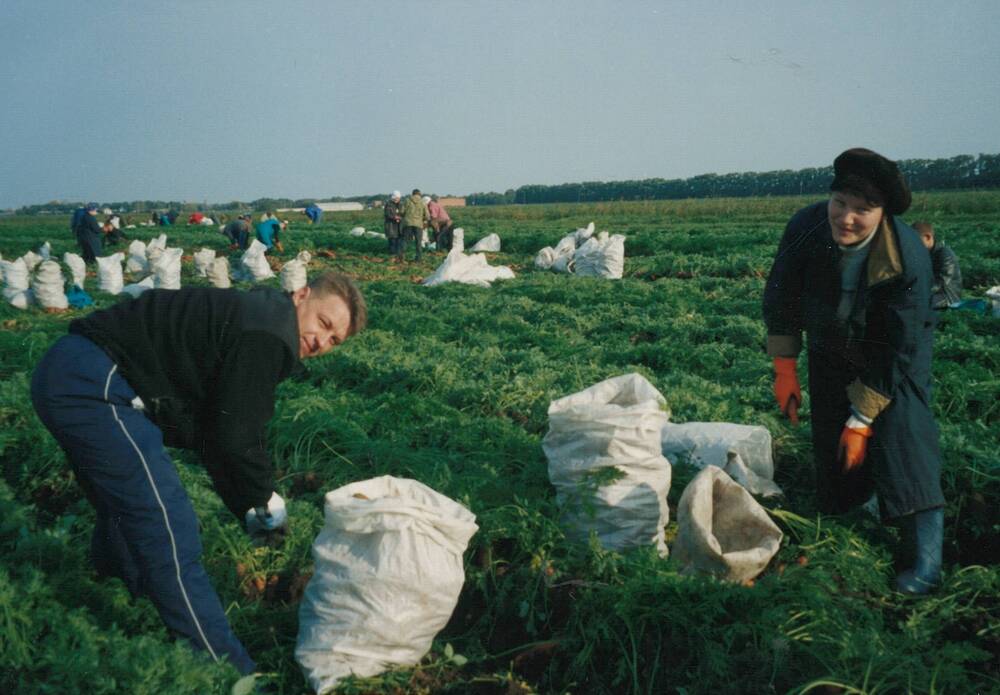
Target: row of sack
388,563
581,253
36,278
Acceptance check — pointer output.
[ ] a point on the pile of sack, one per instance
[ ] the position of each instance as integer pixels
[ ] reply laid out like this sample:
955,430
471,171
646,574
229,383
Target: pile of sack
470,270
583,254
610,449
36,278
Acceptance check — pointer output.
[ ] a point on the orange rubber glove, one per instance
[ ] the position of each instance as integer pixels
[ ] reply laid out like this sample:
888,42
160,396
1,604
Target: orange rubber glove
853,446
786,387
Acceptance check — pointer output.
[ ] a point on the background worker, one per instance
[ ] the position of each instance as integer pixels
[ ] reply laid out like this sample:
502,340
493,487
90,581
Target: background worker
238,232
858,281
392,215
415,218
194,368
947,288
268,233
440,224
314,213
88,232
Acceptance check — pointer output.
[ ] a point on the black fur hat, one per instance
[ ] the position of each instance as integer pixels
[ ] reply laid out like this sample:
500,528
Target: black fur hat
873,176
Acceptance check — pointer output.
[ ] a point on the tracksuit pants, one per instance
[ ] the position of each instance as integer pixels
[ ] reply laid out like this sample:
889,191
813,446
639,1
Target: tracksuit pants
146,532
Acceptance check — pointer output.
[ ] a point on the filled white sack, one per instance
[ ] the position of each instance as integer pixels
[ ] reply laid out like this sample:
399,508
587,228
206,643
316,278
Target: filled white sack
167,269
357,231
389,570
489,243
255,265
49,286
458,239
109,273
137,262
202,260
993,294
469,270
45,251
218,273
743,451
159,242
374,235
544,258
602,256
584,233
562,261
31,260
722,530
77,268
134,289
293,273
613,424
16,279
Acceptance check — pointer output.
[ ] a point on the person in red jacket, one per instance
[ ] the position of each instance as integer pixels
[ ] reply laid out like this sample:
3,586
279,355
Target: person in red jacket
194,368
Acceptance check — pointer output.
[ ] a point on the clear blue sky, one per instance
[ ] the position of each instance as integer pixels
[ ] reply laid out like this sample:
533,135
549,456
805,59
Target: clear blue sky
218,101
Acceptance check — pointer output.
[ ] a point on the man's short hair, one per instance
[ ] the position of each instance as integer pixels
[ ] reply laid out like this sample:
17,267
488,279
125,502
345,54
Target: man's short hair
343,287
416,191
923,228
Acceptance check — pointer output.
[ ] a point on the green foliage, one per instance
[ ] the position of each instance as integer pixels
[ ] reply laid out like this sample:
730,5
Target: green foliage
450,385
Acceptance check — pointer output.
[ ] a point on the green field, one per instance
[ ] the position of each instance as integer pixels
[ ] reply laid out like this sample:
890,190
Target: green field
450,386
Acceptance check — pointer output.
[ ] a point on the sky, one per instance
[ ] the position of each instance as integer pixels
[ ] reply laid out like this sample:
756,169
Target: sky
238,100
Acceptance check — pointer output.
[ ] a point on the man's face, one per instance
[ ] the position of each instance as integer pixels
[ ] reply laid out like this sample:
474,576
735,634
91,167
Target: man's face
323,322
852,218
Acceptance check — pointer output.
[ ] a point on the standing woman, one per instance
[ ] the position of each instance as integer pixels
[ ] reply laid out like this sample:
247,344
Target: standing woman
858,281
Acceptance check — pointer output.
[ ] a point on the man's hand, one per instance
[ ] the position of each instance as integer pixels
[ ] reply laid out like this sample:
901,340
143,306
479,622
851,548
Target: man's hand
786,387
268,522
853,444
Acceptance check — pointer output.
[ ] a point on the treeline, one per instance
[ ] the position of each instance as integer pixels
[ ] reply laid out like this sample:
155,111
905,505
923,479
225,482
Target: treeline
962,171
63,207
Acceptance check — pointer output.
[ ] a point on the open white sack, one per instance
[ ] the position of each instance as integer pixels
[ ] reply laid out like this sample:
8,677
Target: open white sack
388,574
293,273
374,235
357,231
255,265
602,256
218,273
77,268
722,530
31,260
613,424
458,239
137,262
742,451
45,251
134,289
489,243
167,269
584,233
49,286
109,273
469,270
202,260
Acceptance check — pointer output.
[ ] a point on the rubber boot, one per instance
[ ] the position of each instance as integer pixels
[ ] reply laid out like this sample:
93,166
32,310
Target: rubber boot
928,528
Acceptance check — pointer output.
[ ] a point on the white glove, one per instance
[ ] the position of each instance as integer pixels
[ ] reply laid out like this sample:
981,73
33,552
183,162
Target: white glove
269,518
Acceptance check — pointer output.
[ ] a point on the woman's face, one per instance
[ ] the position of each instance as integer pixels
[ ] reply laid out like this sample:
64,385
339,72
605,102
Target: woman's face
852,218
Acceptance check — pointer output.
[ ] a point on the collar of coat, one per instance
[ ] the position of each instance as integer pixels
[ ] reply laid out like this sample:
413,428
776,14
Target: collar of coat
884,261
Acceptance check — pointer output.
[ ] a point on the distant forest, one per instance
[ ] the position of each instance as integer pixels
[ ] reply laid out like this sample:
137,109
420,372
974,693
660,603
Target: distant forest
962,171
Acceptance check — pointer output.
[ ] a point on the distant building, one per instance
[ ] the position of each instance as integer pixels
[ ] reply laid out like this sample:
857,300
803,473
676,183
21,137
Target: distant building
329,207
452,202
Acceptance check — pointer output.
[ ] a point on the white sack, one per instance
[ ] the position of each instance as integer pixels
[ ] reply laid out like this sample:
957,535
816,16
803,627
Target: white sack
613,424
993,294
15,277
167,269
490,242
49,286
206,222
45,251
159,242
293,273
388,574
202,260
254,263
562,254
357,231
137,262
742,451
602,257
581,235
31,260
469,270
374,235
722,530
458,239
109,273
545,258
77,268
218,272
136,288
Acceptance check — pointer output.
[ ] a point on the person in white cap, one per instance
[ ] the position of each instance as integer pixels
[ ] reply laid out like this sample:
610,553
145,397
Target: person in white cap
393,214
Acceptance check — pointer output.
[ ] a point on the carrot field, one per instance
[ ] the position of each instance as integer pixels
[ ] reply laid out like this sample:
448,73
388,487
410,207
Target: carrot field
450,385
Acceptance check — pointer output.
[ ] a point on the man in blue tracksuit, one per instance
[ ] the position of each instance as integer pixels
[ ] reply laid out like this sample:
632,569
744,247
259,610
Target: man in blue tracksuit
194,368
87,231
314,213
